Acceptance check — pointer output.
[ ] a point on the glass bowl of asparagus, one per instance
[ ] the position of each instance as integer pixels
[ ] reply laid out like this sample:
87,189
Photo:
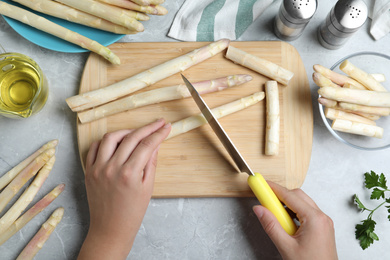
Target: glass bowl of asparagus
354,99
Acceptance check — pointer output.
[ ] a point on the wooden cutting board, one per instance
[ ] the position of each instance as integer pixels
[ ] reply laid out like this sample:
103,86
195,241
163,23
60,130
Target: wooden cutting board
195,164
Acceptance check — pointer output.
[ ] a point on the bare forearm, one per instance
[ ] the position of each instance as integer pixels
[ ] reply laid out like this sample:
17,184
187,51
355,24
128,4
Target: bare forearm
100,246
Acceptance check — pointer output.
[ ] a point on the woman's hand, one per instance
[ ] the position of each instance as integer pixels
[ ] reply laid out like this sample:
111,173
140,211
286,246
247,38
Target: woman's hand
119,178
315,238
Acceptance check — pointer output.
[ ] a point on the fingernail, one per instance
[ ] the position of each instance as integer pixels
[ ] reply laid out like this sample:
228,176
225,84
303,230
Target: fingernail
167,125
160,119
258,211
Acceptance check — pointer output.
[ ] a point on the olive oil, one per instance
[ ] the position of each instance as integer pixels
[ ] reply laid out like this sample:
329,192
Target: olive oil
23,87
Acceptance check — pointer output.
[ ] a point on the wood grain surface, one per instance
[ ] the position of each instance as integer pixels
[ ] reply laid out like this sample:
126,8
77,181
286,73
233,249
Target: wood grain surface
195,164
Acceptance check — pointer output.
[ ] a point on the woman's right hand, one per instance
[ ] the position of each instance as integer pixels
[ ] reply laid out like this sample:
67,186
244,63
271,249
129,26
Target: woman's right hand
314,239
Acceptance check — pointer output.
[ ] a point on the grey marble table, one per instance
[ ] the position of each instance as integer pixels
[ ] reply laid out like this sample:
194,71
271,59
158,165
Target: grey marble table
204,228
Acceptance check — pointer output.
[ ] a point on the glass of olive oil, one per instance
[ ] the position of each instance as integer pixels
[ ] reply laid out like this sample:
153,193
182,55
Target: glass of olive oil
23,86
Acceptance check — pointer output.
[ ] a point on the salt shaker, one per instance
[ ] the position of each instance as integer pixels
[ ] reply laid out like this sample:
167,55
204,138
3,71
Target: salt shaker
345,18
293,17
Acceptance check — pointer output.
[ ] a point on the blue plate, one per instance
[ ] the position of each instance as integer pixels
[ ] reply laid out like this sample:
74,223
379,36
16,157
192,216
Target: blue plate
51,42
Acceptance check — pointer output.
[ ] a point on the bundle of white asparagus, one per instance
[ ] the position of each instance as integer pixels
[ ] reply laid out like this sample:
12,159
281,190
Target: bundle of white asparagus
117,97
161,95
353,101
38,165
144,79
116,16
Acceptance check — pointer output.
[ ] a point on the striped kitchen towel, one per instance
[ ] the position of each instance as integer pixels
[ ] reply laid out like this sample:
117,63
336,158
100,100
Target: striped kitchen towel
211,20
380,15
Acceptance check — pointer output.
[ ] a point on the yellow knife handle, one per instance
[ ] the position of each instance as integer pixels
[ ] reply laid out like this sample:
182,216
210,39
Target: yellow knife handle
268,199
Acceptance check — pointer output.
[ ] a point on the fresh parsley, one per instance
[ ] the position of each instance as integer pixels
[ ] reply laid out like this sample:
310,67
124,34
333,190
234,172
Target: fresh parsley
364,232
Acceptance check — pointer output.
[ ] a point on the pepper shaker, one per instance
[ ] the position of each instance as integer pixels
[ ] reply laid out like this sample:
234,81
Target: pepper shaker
345,18
292,18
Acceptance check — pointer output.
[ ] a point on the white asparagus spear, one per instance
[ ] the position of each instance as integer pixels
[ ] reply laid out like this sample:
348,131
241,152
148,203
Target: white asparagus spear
323,81
259,65
108,12
336,105
148,2
272,118
161,10
37,242
146,78
371,117
148,9
357,96
382,111
26,174
47,26
192,122
357,128
379,77
337,78
333,114
160,95
363,77
28,195
328,102
137,15
31,213
9,176
349,85
65,12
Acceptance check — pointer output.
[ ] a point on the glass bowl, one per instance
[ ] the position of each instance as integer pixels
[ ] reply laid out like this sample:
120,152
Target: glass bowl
370,62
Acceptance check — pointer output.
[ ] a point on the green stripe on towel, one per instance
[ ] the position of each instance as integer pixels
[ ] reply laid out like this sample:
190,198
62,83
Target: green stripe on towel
244,16
205,29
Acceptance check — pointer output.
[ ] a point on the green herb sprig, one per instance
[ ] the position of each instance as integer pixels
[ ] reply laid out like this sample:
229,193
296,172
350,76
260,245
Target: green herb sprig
364,232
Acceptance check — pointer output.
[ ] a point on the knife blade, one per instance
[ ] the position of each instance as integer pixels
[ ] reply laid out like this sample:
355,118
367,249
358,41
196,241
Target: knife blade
256,181
219,131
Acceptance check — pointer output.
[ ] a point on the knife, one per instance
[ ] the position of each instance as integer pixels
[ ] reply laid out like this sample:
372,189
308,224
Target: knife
256,181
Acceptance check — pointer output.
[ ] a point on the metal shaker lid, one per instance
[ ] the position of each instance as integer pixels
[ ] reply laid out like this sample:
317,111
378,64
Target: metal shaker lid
349,15
298,11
